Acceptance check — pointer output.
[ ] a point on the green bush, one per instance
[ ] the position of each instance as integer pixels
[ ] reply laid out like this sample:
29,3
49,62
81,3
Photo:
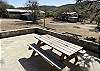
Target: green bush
3,13
91,39
3,7
98,21
49,14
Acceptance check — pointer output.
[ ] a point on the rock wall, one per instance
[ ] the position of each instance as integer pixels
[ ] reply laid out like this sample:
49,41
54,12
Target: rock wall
89,45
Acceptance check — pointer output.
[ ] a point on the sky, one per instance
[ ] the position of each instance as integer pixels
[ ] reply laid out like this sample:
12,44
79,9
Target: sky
20,3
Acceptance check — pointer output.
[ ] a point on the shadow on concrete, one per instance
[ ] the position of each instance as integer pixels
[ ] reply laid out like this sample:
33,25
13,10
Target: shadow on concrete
85,62
35,63
94,56
73,67
38,64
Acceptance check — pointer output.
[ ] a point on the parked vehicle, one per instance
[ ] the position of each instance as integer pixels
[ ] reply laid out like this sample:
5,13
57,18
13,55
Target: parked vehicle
97,28
72,17
69,17
26,16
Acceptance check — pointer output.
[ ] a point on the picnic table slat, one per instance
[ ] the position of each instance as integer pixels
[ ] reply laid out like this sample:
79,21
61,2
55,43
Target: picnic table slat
66,48
53,45
76,47
60,43
60,46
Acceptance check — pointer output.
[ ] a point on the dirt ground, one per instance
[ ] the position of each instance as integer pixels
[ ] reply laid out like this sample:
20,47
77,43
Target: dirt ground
11,24
86,30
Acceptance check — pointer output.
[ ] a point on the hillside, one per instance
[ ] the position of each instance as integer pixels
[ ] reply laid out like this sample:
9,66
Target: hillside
81,8
47,8
71,7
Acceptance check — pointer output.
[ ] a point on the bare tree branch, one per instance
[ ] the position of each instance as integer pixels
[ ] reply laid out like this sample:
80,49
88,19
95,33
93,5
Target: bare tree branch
33,5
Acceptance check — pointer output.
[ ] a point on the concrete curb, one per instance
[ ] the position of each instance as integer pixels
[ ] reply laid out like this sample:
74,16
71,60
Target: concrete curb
81,42
11,33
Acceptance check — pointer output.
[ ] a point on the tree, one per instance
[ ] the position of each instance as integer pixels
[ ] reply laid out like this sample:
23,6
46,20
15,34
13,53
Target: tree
3,7
49,14
77,1
33,5
91,7
3,12
98,20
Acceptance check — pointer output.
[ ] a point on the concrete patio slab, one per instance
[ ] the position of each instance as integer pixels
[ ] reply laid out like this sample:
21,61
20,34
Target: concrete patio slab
15,56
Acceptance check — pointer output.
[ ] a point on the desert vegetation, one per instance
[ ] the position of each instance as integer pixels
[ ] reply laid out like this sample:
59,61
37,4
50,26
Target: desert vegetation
89,11
3,6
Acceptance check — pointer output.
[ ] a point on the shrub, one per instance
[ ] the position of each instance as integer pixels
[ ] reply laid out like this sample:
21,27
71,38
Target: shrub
91,39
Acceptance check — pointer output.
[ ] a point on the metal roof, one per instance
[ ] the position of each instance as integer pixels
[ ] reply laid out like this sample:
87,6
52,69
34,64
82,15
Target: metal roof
21,11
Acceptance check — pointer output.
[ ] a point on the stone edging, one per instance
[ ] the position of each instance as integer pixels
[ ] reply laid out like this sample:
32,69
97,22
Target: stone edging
81,42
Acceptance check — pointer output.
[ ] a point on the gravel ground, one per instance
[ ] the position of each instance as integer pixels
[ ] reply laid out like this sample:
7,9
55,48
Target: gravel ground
11,24
86,30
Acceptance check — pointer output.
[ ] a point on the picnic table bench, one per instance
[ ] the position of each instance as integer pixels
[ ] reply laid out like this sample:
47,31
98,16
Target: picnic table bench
65,48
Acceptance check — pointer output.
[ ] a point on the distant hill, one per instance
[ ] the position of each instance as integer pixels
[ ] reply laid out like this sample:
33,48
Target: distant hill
71,7
43,7
79,6
5,5
47,8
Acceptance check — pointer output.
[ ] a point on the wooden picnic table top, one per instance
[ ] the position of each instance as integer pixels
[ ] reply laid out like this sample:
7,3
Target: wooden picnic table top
59,44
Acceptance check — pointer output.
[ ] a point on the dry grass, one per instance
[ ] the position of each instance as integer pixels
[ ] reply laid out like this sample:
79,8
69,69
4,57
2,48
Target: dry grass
8,24
86,30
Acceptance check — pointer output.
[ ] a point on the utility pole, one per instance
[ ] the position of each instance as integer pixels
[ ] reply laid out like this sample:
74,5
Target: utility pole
44,21
44,24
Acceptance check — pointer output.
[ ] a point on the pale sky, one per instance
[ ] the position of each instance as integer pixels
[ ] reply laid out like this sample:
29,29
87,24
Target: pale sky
19,3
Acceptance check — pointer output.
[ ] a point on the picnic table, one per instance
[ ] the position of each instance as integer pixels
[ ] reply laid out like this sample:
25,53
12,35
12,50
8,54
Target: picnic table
65,48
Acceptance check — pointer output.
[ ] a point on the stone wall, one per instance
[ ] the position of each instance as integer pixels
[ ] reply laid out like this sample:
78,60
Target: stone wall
11,33
81,42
